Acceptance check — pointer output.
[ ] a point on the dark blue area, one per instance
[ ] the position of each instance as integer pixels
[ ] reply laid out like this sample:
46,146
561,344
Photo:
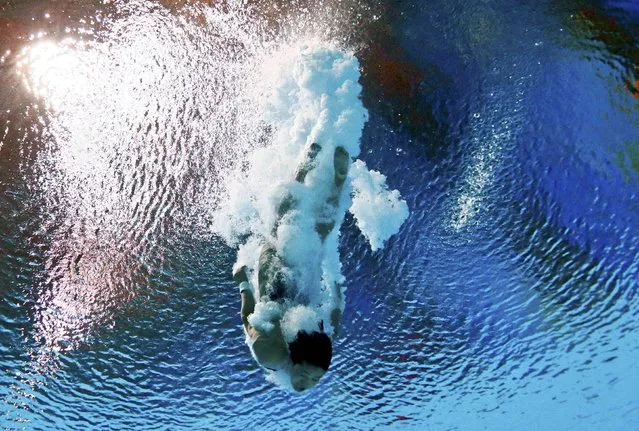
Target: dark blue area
508,299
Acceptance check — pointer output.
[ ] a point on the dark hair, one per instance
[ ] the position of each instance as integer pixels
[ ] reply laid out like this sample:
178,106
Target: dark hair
315,348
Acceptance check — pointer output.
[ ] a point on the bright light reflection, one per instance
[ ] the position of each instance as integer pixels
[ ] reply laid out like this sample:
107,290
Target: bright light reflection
54,71
150,112
90,93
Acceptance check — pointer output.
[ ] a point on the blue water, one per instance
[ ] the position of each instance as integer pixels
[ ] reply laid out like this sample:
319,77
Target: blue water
508,300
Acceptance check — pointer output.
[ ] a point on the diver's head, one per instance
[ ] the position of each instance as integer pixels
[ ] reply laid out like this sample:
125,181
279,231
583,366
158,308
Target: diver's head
311,355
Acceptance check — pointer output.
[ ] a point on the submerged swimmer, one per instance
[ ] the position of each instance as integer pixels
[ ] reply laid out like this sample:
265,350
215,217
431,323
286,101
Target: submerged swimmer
307,356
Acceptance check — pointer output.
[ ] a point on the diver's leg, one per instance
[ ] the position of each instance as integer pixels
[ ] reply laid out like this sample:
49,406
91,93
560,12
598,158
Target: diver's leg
308,164
288,203
341,163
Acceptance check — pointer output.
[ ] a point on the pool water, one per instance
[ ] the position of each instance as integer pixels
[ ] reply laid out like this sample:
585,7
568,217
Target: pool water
507,300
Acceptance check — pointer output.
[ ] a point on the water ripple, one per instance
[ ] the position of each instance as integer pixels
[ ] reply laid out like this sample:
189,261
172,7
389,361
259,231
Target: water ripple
510,131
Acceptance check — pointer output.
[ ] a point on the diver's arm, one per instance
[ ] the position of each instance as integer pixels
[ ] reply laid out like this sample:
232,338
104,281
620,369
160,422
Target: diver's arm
268,346
336,316
248,301
248,305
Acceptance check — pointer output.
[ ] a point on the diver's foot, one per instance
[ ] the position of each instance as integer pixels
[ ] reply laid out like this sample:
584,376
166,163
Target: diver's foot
323,229
308,164
341,163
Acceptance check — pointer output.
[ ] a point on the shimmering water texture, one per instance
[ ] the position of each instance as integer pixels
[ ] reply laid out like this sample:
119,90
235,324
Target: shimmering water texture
506,300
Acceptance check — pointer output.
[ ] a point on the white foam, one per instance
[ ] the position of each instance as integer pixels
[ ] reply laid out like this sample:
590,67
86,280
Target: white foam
314,97
378,211
265,313
299,318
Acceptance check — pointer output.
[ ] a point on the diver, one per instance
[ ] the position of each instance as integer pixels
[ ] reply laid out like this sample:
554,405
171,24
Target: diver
307,357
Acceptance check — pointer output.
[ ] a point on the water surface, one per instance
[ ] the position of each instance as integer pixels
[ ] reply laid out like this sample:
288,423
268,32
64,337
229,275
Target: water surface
507,301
